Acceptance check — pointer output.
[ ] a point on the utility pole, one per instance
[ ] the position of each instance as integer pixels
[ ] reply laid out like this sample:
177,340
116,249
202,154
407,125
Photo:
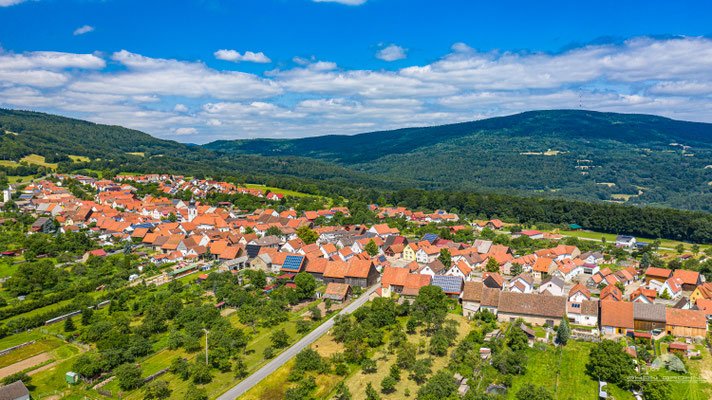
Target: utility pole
206,345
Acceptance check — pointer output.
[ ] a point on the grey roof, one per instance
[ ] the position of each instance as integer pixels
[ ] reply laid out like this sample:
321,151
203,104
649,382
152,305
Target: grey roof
649,312
555,280
267,241
13,391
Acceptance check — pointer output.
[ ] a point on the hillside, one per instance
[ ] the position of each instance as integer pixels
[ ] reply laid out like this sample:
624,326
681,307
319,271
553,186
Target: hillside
625,158
68,141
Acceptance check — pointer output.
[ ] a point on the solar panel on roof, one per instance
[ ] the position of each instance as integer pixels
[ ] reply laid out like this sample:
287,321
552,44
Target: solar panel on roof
450,284
430,237
292,263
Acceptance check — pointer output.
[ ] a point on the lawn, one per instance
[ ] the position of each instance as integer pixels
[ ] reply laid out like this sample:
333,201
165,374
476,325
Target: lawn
40,346
79,158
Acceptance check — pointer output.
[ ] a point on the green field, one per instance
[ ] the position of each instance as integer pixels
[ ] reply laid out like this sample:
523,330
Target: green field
611,238
276,190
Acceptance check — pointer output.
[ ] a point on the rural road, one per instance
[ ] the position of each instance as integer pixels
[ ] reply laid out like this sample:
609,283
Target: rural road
252,380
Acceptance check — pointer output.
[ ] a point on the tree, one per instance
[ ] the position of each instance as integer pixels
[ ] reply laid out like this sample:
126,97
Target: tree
440,386
368,366
303,326
342,392
273,231
608,362
268,352
388,384
305,285
420,369
695,249
17,376
562,333
280,339
156,389
129,376
69,325
492,265
87,313
240,367
195,393
315,313
657,390
395,372
199,372
532,392
307,235
371,248
515,269
371,393
445,257
680,248
180,368
517,340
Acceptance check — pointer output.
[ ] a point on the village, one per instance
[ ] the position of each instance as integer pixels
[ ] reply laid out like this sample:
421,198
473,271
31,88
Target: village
528,279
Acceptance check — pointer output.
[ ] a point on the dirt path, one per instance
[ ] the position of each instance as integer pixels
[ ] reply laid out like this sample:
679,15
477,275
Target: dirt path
24,364
42,368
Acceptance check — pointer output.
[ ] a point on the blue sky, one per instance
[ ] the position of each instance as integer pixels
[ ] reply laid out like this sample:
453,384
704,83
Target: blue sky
202,70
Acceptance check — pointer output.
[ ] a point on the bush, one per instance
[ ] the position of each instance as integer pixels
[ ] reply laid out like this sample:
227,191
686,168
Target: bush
388,384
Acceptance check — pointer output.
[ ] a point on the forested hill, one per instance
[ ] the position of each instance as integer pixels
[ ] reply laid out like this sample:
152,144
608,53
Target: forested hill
625,158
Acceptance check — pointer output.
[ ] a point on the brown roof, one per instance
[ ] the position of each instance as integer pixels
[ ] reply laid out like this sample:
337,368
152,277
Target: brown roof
13,391
472,291
336,269
617,314
359,268
532,304
490,297
337,289
394,276
687,318
658,272
317,265
687,277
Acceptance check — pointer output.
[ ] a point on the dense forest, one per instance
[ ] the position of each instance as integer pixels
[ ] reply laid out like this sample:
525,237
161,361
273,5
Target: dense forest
584,155
58,137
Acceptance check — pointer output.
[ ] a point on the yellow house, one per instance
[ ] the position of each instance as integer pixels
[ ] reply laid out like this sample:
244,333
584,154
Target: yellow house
409,252
704,291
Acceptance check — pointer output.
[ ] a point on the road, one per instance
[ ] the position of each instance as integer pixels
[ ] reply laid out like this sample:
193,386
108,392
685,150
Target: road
252,380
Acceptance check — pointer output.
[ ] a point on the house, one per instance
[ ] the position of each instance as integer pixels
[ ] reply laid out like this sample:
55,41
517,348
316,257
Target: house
522,283
612,293
643,295
471,298
703,291
531,307
427,254
338,292
543,267
409,251
657,274
553,285
685,323
594,257
689,279
616,317
461,269
579,293
361,273
493,280
14,391
584,312
671,288
490,300
433,268
625,241
531,234
293,264
316,268
451,285
648,317
335,271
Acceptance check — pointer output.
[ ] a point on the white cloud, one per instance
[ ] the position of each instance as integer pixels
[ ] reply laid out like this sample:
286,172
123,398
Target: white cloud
309,97
180,108
234,56
84,29
391,53
347,2
8,3
186,131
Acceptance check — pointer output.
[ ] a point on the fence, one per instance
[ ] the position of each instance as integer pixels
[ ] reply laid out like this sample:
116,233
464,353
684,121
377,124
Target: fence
19,346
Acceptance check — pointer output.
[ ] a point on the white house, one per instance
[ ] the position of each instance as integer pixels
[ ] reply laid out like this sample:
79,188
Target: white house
625,241
553,284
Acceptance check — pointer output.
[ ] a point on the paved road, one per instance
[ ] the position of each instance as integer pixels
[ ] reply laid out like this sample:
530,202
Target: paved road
254,379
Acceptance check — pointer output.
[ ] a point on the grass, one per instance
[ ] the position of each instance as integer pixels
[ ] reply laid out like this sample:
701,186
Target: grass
20,338
79,158
7,269
41,346
39,160
137,154
611,238
277,190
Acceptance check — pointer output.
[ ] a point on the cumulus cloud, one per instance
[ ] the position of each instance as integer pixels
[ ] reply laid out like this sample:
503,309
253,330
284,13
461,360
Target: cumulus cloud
8,3
82,30
391,53
234,56
309,96
347,2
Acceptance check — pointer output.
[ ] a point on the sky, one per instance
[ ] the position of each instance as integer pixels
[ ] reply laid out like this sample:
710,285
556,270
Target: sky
202,70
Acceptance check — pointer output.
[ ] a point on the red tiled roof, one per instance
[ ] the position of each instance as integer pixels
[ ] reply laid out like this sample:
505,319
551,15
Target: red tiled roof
686,318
